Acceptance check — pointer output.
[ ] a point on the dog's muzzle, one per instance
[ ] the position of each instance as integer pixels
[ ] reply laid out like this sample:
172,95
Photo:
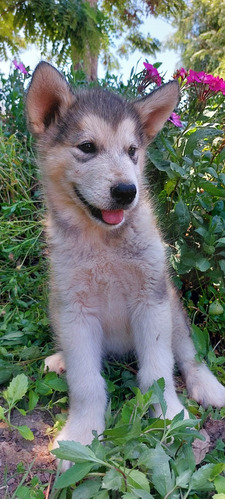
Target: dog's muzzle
123,194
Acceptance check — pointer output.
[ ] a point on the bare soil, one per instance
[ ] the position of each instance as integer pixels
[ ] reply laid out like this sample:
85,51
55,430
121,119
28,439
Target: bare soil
14,449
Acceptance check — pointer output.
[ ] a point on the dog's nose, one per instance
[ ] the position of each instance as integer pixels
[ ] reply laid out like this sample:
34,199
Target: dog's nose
123,194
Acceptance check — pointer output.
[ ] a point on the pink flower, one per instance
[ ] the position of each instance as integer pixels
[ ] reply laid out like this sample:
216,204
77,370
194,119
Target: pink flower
153,74
180,73
20,67
175,119
205,84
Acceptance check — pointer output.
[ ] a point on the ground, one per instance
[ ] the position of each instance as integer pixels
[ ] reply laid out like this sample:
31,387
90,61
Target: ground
14,449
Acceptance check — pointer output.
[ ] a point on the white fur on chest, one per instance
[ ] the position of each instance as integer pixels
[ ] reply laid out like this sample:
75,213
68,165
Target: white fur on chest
108,278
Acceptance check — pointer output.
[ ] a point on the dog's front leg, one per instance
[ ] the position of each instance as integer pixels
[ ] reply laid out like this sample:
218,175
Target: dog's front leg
152,330
81,343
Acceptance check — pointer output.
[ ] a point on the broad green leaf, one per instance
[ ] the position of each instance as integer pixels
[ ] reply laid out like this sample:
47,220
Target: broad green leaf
201,340
113,480
220,242
17,389
73,475
183,479
25,432
75,452
23,492
138,493
30,352
33,399
170,186
137,479
198,136
157,159
202,478
2,412
88,489
158,461
212,189
179,423
220,484
202,264
182,213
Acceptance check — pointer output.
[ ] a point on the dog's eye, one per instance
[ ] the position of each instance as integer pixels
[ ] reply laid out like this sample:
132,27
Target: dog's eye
87,147
132,151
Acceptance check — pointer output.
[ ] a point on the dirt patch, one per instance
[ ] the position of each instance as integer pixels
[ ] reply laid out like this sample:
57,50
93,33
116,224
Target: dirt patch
14,449
216,430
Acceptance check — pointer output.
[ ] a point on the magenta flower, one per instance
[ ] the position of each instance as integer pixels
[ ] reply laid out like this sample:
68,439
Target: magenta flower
153,74
205,84
20,67
175,119
180,73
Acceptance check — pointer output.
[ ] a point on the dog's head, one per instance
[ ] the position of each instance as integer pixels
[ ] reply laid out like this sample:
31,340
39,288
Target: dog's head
92,143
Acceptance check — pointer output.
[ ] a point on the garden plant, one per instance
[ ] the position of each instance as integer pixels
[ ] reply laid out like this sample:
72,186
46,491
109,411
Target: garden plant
137,456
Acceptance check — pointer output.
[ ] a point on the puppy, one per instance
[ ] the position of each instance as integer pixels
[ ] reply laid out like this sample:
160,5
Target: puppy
110,291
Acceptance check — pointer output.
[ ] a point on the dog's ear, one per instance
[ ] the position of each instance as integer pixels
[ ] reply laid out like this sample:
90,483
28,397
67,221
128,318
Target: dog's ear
48,97
157,107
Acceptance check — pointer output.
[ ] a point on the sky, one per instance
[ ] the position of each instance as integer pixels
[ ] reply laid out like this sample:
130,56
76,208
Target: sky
157,28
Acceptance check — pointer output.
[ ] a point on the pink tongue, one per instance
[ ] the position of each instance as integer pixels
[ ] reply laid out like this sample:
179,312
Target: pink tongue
112,216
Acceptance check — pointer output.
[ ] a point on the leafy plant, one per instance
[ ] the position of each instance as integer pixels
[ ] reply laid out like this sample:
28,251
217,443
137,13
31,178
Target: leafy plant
138,457
16,391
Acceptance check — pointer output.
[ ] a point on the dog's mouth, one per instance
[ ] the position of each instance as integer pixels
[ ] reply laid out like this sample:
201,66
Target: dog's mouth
110,217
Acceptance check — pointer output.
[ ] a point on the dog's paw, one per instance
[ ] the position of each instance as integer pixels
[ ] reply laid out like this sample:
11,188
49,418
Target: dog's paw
72,432
173,408
204,387
55,363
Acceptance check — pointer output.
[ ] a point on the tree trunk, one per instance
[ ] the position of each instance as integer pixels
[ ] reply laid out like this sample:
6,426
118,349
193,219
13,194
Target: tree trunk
90,62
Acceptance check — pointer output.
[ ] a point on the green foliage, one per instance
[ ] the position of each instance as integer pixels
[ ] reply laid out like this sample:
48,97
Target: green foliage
16,391
77,29
72,27
201,36
138,457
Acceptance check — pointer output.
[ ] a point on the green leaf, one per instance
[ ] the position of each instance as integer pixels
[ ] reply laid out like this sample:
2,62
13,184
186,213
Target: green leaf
113,480
23,492
88,489
33,399
183,479
30,352
158,388
25,432
201,340
75,452
202,478
220,484
137,479
2,412
138,493
198,136
202,264
212,189
73,475
162,477
17,389
182,213
220,242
